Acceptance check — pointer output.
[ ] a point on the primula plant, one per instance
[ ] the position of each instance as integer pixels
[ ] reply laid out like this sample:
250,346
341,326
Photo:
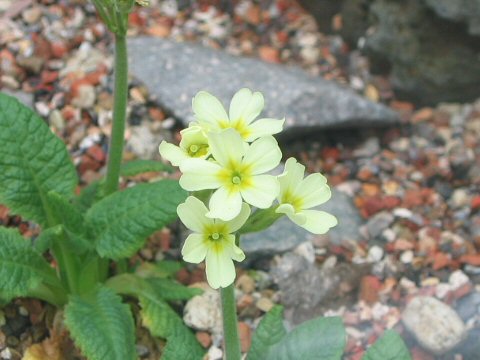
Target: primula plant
79,261
226,163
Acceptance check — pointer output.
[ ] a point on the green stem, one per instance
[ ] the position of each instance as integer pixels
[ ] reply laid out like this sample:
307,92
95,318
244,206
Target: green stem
230,325
119,114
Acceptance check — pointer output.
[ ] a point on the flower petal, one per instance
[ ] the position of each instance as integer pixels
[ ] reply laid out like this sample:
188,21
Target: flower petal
318,222
219,268
263,191
224,204
194,136
172,153
263,155
313,190
238,221
199,174
226,146
264,127
209,109
246,105
287,209
194,249
192,213
234,251
290,178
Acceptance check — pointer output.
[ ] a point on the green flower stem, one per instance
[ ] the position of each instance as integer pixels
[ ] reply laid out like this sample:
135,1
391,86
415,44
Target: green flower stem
260,220
119,114
230,324
53,295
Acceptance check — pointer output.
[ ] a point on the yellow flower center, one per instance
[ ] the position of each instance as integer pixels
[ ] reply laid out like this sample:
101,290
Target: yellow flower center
239,125
215,236
197,150
295,201
236,177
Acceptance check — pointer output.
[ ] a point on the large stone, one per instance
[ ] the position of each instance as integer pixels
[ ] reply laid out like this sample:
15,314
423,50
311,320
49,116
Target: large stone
432,59
175,72
307,290
435,325
284,235
462,11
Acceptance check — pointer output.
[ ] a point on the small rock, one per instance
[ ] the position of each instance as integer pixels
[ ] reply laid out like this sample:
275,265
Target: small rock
460,198
407,257
245,336
378,223
214,353
85,97
204,338
369,289
245,283
435,325
307,251
6,354
203,312
264,304
468,307
142,350
375,254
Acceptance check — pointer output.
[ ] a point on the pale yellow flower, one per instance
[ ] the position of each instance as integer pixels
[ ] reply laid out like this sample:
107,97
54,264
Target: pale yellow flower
237,173
298,195
194,144
244,109
212,240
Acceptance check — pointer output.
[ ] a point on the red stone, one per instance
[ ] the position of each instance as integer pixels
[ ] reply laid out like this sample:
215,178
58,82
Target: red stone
269,54
475,205
440,261
369,288
472,259
245,336
204,339
97,153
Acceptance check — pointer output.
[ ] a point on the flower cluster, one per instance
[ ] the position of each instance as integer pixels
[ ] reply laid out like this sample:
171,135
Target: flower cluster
229,156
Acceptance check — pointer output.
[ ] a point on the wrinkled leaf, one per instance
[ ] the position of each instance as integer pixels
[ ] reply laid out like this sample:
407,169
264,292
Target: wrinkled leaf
389,347
22,268
122,221
101,325
171,290
269,332
72,222
136,167
33,161
159,318
316,339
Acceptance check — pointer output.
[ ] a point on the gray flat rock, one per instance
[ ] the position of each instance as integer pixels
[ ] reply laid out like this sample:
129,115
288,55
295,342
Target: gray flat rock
284,235
175,72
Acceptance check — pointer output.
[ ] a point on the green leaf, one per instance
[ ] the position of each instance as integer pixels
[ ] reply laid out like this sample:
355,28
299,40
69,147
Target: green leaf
21,267
322,338
171,290
136,167
46,238
72,221
316,339
162,269
33,161
89,195
389,347
159,318
124,219
269,332
101,326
